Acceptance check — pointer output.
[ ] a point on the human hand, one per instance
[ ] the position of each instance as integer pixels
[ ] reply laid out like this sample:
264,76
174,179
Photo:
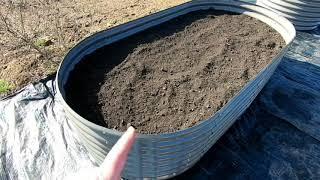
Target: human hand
114,163
118,155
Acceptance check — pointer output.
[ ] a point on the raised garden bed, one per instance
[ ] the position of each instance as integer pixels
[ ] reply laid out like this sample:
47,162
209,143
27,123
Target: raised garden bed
172,76
85,87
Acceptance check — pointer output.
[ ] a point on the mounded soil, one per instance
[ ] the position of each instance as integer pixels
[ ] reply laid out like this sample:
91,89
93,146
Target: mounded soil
172,76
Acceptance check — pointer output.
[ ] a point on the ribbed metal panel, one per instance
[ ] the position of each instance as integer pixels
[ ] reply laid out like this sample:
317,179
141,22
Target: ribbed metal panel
166,155
305,15
306,3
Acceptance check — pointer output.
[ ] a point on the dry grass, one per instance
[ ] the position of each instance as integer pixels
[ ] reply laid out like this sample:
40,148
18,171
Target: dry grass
36,34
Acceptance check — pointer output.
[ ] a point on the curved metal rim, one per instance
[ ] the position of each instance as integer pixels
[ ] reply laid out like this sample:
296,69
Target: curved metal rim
300,7
244,6
291,11
309,3
294,16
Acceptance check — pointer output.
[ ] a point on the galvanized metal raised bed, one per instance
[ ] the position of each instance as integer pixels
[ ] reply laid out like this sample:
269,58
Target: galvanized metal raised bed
304,14
166,155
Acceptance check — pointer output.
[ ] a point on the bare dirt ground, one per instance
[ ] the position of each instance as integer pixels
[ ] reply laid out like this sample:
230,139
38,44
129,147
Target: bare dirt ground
36,34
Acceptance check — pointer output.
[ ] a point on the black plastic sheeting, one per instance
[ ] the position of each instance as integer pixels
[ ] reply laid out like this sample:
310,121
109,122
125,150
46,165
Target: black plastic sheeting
278,137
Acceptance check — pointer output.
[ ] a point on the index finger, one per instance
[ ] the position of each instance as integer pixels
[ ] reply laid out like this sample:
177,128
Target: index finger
116,159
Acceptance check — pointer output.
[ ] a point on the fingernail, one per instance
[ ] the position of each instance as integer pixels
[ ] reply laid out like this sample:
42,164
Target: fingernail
131,128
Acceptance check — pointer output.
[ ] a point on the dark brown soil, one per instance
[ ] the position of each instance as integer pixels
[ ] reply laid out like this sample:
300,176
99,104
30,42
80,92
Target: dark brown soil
172,76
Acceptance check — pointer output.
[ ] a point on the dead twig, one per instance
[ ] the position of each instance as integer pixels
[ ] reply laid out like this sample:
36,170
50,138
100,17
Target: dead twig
20,35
